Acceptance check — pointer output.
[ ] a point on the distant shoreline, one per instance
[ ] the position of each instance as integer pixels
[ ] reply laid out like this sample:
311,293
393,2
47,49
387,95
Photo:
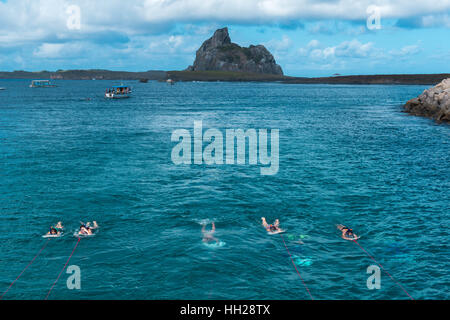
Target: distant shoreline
93,74
408,79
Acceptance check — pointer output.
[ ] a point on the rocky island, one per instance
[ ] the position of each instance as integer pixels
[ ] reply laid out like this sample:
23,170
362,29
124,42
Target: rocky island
218,53
432,103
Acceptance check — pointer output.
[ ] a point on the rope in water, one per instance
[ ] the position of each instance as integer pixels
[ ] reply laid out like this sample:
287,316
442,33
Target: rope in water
384,270
292,260
29,264
67,262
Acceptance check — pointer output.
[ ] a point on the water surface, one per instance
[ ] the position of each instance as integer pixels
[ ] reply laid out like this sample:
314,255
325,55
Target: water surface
347,155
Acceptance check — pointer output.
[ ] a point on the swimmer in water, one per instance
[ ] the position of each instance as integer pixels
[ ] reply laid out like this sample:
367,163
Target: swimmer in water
347,233
85,230
208,236
272,228
53,232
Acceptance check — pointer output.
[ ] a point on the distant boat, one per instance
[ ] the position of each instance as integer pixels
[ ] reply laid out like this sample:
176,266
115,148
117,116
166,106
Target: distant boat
118,92
41,84
170,81
143,80
2,89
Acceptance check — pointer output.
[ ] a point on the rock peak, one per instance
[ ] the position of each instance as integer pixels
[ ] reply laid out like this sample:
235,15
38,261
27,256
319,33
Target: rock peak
220,38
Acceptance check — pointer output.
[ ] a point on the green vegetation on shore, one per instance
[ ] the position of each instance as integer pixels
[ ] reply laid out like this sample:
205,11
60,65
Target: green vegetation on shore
223,76
375,79
353,79
84,75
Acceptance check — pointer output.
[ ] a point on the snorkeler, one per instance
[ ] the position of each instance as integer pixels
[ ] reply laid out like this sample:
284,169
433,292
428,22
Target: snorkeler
208,236
53,232
347,233
272,228
85,230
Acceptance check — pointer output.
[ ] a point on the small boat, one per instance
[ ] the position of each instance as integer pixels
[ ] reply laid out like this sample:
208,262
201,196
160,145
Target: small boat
143,80
2,89
118,92
41,84
170,81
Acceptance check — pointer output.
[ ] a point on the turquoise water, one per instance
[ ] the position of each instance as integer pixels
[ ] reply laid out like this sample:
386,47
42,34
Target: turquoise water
347,155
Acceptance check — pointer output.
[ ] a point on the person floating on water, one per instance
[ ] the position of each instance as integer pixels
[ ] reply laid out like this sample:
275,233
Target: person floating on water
208,236
347,233
86,229
272,228
53,232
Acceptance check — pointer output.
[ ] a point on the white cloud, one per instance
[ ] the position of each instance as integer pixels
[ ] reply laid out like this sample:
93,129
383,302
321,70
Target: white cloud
406,50
279,45
326,53
309,47
175,41
286,9
202,30
57,50
313,44
335,27
354,49
49,50
345,49
347,53
173,44
442,20
44,18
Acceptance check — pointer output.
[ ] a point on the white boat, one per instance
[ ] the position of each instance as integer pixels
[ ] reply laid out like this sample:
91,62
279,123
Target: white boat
118,92
2,89
41,84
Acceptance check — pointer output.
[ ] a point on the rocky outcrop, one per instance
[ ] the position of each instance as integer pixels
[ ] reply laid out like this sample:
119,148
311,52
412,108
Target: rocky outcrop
218,53
432,103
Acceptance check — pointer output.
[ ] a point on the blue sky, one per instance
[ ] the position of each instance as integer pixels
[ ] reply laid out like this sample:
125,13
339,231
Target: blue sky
307,38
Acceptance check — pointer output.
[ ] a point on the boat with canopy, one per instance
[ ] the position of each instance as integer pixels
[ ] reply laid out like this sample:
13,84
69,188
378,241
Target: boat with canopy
41,84
118,92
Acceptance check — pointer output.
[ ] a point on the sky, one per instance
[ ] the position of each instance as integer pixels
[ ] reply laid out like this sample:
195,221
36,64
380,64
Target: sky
306,37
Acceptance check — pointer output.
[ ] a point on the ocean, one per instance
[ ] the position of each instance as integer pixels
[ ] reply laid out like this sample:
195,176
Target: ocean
347,155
